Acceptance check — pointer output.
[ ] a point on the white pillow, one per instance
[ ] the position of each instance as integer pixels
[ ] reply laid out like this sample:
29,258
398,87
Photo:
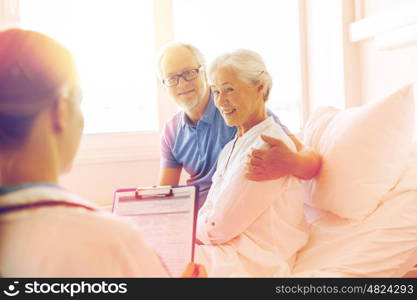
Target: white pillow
363,151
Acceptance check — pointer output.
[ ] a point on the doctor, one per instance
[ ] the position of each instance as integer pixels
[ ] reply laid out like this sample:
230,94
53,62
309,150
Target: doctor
193,138
47,231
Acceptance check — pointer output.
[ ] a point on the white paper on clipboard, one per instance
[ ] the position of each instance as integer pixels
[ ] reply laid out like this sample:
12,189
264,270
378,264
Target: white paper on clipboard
166,217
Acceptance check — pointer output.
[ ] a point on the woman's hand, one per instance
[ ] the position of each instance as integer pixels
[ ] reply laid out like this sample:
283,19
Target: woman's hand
194,270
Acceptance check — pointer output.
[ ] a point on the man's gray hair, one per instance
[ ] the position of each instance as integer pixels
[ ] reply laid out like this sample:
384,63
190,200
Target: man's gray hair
249,65
197,53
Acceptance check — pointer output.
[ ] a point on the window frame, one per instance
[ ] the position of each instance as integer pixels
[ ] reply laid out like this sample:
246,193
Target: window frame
111,147
136,145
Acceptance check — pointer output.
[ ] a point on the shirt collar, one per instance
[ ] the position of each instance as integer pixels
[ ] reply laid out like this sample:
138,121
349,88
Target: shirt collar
207,117
210,111
30,193
257,129
186,120
14,188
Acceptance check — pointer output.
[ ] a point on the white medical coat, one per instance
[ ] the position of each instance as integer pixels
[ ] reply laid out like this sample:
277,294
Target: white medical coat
251,229
62,241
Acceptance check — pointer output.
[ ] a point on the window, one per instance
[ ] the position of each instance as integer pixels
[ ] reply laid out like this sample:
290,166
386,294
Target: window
270,28
113,44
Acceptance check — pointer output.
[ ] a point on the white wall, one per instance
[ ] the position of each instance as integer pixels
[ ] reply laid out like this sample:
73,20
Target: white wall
97,182
324,53
331,60
384,71
96,175
9,13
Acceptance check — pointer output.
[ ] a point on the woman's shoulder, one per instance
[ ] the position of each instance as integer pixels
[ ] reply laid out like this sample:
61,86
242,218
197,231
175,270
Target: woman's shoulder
275,130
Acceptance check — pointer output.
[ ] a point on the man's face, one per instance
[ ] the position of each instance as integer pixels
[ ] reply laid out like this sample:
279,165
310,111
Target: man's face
187,93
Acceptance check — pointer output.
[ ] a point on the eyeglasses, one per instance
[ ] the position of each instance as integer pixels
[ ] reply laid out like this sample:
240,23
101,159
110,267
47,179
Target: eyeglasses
188,75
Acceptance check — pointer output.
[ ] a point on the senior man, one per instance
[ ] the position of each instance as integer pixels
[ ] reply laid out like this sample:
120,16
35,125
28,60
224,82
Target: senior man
194,137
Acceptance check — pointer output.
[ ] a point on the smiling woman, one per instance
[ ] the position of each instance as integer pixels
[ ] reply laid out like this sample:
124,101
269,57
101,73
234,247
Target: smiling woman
243,224
241,104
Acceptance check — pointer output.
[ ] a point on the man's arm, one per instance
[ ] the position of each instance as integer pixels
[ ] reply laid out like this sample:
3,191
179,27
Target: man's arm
169,176
170,169
309,161
279,161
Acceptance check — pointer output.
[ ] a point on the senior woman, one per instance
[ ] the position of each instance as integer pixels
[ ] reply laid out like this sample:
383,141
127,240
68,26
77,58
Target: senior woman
248,228
47,231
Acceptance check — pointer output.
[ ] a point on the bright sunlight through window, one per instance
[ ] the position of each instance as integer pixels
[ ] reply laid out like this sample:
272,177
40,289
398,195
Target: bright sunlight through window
113,44
268,27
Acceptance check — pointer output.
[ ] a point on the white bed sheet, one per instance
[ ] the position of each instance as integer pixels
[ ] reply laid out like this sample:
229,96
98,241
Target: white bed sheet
382,245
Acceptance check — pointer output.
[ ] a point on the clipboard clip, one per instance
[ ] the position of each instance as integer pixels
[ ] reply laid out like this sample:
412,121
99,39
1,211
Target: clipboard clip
154,192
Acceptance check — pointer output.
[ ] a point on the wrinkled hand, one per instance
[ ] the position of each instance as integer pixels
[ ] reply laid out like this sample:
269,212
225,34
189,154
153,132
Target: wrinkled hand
194,270
273,163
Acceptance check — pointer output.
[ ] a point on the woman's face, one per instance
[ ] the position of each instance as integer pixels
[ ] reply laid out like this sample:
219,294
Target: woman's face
238,102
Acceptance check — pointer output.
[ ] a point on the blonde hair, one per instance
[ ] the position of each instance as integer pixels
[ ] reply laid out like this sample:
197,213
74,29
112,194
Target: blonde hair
34,69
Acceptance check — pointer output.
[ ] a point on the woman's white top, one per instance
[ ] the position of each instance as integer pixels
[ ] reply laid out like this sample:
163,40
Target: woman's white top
251,228
64,241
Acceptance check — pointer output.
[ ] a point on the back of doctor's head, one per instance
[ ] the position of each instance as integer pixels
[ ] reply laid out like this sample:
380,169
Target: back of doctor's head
34,71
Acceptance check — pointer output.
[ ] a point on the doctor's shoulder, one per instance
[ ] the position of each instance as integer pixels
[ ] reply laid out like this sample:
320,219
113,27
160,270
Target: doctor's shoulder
98,244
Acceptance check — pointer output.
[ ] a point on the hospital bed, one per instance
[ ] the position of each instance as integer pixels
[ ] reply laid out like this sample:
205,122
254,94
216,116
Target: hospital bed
362,207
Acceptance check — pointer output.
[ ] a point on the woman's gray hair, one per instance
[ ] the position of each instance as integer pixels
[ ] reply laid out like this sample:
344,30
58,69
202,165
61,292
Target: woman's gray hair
249,65
197,53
